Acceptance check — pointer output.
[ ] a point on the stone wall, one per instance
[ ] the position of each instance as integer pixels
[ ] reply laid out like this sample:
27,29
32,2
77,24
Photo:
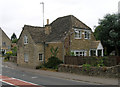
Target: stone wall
111,72
13,59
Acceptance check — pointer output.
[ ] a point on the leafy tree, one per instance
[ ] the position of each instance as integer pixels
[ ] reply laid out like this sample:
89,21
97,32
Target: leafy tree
108,31
14,38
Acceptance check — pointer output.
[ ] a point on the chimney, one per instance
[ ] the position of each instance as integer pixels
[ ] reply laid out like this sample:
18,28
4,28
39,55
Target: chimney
47,21
47,28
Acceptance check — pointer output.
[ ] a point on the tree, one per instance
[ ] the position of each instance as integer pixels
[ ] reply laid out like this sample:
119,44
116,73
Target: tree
14,38
108,31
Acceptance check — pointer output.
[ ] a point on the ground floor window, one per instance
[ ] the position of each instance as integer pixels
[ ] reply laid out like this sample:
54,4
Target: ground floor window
96,52
25,57
80,53
41,57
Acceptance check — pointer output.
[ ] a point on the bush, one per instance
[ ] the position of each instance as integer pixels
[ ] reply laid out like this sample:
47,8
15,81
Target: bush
53,63
7,55
86,67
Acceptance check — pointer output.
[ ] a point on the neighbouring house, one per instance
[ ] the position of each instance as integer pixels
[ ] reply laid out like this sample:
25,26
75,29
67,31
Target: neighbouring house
67,33
5,43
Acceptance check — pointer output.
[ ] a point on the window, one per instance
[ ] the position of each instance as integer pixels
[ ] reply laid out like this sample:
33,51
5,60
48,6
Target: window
25,57
25,39
80,53
9,47
87,35
41,57
4,44
77,34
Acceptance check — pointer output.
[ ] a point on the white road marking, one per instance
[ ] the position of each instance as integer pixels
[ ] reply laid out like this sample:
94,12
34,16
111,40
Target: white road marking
34,77
25,81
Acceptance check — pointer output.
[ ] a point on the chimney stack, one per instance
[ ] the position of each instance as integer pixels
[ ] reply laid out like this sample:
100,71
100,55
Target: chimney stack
47,28
47,21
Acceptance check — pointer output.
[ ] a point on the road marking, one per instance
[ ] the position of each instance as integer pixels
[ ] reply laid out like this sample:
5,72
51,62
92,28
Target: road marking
17,82
33,77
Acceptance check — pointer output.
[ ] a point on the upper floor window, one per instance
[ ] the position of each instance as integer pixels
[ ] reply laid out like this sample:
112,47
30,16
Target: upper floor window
77,34
25,39
4,44
87,34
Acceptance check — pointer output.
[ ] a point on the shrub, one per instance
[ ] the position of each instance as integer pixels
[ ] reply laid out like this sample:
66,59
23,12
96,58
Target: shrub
8,54
53,63
86,67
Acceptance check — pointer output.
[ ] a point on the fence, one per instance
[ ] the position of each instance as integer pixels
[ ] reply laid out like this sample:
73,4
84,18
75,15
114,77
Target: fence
80,60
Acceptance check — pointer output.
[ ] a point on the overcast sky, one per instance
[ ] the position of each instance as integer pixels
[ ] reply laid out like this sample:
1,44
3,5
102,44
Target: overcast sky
14,14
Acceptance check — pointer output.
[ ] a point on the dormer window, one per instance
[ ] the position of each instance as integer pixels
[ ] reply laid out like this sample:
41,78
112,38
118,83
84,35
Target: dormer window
77,34
87,35
25,39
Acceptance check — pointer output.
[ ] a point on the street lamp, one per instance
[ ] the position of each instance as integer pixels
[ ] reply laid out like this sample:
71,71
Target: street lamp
43,12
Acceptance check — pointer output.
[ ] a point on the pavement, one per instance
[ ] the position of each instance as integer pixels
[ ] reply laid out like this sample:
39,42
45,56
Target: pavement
70,76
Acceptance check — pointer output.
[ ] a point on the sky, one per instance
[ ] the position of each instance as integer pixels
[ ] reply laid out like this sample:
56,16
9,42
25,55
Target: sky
14,14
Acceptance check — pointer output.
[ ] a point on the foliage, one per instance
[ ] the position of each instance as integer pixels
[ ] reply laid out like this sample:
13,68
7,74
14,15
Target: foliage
14,51
53,63
14,41
14,38
72,54
54,51
86,67
108,32
8,54
95,61
100,62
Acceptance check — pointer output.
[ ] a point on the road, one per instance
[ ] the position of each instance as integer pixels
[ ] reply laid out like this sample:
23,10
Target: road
37,79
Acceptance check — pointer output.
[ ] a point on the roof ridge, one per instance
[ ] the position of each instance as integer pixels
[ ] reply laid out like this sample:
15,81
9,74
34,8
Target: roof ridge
33,26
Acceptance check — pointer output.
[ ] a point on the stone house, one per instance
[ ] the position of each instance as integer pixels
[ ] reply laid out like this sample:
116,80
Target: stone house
5,42
67,33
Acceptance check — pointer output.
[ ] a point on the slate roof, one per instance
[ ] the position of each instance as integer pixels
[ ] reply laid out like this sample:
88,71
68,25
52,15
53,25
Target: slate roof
59,28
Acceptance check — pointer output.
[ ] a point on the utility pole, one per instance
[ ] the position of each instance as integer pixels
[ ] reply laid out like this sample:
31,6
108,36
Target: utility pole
43,27
43,12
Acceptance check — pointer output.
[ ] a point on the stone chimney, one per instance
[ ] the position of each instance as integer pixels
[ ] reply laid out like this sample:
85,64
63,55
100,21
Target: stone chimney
47,28
47,21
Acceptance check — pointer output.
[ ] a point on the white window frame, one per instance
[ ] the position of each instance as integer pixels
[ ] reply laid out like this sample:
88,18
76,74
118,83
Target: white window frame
26,57
87,34
78,34
25,39
80,52
41,55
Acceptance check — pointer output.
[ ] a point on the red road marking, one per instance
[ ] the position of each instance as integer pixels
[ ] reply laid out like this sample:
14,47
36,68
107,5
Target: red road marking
17,82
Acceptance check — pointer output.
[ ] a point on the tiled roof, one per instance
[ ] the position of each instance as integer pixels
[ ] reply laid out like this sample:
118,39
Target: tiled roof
37,33
62,25
94,44
59,29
